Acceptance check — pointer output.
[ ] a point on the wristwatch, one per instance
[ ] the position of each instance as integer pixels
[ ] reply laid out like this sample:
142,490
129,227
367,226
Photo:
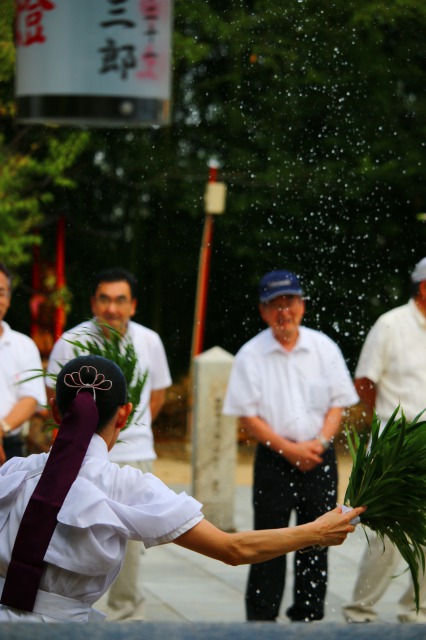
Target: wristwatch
325,443
5,427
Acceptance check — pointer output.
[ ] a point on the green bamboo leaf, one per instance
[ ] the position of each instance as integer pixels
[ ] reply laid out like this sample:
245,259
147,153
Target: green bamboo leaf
389,476
351,447
375,428
391,423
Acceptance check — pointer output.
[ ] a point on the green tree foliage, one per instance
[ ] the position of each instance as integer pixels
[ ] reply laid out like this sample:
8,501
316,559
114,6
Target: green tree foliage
324,109
27,178
316,111
33,162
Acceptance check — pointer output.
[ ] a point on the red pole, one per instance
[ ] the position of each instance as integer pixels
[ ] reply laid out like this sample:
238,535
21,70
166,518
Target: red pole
36,287
60,276
203,277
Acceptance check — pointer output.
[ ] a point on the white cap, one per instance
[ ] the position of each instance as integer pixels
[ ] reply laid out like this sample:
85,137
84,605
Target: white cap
419,273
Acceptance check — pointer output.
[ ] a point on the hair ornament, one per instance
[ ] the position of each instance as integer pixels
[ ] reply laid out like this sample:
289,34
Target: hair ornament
93,380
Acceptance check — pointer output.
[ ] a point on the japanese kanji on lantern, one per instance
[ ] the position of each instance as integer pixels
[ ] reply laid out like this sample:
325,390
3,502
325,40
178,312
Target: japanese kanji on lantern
93,62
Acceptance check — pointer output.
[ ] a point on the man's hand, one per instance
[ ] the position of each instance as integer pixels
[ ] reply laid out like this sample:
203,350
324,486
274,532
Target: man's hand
305,455
2,453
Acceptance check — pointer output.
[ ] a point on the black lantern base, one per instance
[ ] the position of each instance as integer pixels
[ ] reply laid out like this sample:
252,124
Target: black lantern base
93,111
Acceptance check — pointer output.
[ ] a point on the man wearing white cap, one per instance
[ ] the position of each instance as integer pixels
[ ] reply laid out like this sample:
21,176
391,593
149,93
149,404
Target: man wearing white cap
289,386
391,371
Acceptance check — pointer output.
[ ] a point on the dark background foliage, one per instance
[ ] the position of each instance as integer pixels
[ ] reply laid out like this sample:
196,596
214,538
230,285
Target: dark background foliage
316,112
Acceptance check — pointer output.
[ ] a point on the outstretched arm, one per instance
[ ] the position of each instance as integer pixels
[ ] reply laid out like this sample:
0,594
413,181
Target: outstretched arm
250,547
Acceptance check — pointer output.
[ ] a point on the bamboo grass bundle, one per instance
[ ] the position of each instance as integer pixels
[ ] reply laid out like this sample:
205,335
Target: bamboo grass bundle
108,343
389,477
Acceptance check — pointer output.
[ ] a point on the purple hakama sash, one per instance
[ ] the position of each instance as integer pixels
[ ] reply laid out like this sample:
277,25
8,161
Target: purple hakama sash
40,517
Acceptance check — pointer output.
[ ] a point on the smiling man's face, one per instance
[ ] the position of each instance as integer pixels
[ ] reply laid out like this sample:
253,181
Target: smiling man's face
284,315
113,304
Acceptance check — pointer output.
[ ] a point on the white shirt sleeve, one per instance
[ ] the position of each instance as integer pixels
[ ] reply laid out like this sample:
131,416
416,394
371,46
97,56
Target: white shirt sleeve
244,390
373,356
159,368
342,390
30,381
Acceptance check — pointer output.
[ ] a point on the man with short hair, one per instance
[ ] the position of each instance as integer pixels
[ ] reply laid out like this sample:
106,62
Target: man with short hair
19,396
289,386
114,302
392,370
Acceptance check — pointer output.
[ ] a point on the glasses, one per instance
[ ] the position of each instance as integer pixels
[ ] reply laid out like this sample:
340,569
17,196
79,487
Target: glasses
106,301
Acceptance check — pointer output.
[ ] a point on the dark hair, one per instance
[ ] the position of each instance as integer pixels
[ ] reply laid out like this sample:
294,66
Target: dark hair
5,270
116,274
96,375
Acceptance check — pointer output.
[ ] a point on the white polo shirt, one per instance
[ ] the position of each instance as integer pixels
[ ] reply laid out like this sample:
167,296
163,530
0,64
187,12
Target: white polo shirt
19,360
291,390
394,358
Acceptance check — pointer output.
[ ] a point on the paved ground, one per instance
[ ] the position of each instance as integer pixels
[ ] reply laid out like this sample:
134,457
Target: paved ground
184,586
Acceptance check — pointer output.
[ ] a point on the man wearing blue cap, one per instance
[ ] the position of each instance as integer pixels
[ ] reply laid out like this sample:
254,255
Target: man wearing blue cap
289,386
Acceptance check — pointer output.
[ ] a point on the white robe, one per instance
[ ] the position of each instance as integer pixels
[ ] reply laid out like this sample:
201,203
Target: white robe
105,507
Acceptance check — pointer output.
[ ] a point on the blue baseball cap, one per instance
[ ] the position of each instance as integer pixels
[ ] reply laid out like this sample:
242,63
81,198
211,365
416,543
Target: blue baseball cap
278,283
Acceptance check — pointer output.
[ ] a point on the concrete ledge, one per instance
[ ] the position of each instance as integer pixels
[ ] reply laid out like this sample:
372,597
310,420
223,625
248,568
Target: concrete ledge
209,631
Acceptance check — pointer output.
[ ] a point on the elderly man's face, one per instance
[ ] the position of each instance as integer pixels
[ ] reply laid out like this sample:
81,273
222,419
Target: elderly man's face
284,315
5,294
113,304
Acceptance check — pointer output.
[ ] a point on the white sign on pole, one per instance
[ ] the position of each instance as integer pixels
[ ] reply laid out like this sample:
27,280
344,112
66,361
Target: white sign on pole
96,62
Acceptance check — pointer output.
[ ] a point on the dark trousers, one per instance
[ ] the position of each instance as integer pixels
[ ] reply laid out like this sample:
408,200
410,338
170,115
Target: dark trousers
279,488
13,446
